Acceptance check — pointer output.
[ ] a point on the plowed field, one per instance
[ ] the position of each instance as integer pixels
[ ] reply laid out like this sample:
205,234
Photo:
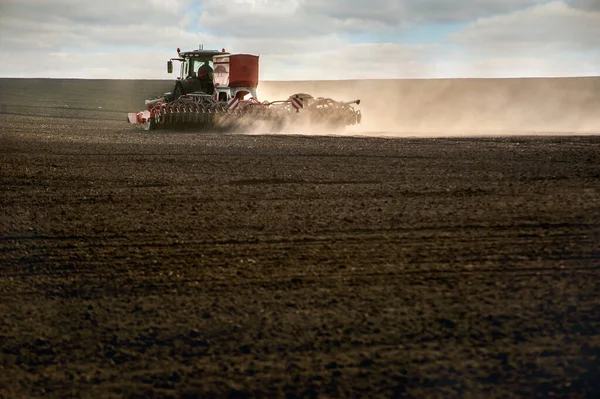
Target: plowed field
203,265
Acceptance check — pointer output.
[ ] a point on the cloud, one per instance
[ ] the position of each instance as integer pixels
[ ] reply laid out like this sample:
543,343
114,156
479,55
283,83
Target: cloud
261,19
348,62
397,13
303,39
28,25
352,61
588,5
306,18
544,29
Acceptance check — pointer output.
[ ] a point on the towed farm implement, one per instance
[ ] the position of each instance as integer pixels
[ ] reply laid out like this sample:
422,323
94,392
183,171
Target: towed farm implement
217,90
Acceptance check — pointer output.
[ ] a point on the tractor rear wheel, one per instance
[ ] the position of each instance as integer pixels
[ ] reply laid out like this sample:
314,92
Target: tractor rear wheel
178,92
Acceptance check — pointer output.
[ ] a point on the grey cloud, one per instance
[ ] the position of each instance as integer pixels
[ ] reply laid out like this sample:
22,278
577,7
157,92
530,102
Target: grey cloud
244,19
314,17
587,5
399,12
542,30
56,23
31,25
62,25
105,13
78,38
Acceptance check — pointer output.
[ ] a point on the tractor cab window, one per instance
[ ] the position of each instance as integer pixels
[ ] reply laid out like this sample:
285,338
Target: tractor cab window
203,69
185,68
198,68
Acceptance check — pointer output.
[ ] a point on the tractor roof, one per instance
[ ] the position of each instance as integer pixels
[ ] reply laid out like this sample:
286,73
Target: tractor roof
205,54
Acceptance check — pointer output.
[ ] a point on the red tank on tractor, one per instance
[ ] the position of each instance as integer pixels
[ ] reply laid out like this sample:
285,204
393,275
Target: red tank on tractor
217,90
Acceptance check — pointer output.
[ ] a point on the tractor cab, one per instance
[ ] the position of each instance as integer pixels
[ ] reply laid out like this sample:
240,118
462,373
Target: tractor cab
196,71
220,74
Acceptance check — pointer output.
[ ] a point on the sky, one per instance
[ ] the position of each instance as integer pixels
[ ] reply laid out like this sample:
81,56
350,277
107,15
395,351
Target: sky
303,39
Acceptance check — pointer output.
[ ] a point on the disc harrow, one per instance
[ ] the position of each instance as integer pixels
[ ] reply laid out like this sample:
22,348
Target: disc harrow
199,110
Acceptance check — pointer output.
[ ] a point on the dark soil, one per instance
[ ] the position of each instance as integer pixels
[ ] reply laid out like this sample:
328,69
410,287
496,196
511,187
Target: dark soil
236,266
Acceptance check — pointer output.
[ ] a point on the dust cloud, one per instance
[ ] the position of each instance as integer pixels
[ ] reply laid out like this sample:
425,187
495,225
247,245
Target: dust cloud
440,107
418,107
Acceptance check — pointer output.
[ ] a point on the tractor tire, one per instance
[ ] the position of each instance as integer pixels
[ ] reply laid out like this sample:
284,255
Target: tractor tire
178,92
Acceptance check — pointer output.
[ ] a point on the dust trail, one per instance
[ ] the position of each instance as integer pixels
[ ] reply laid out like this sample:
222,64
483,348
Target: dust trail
461,106
434,107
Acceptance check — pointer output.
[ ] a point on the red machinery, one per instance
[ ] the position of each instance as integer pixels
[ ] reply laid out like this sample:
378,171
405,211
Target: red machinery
217,89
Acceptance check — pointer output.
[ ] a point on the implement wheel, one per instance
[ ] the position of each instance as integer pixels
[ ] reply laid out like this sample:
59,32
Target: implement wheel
150,124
